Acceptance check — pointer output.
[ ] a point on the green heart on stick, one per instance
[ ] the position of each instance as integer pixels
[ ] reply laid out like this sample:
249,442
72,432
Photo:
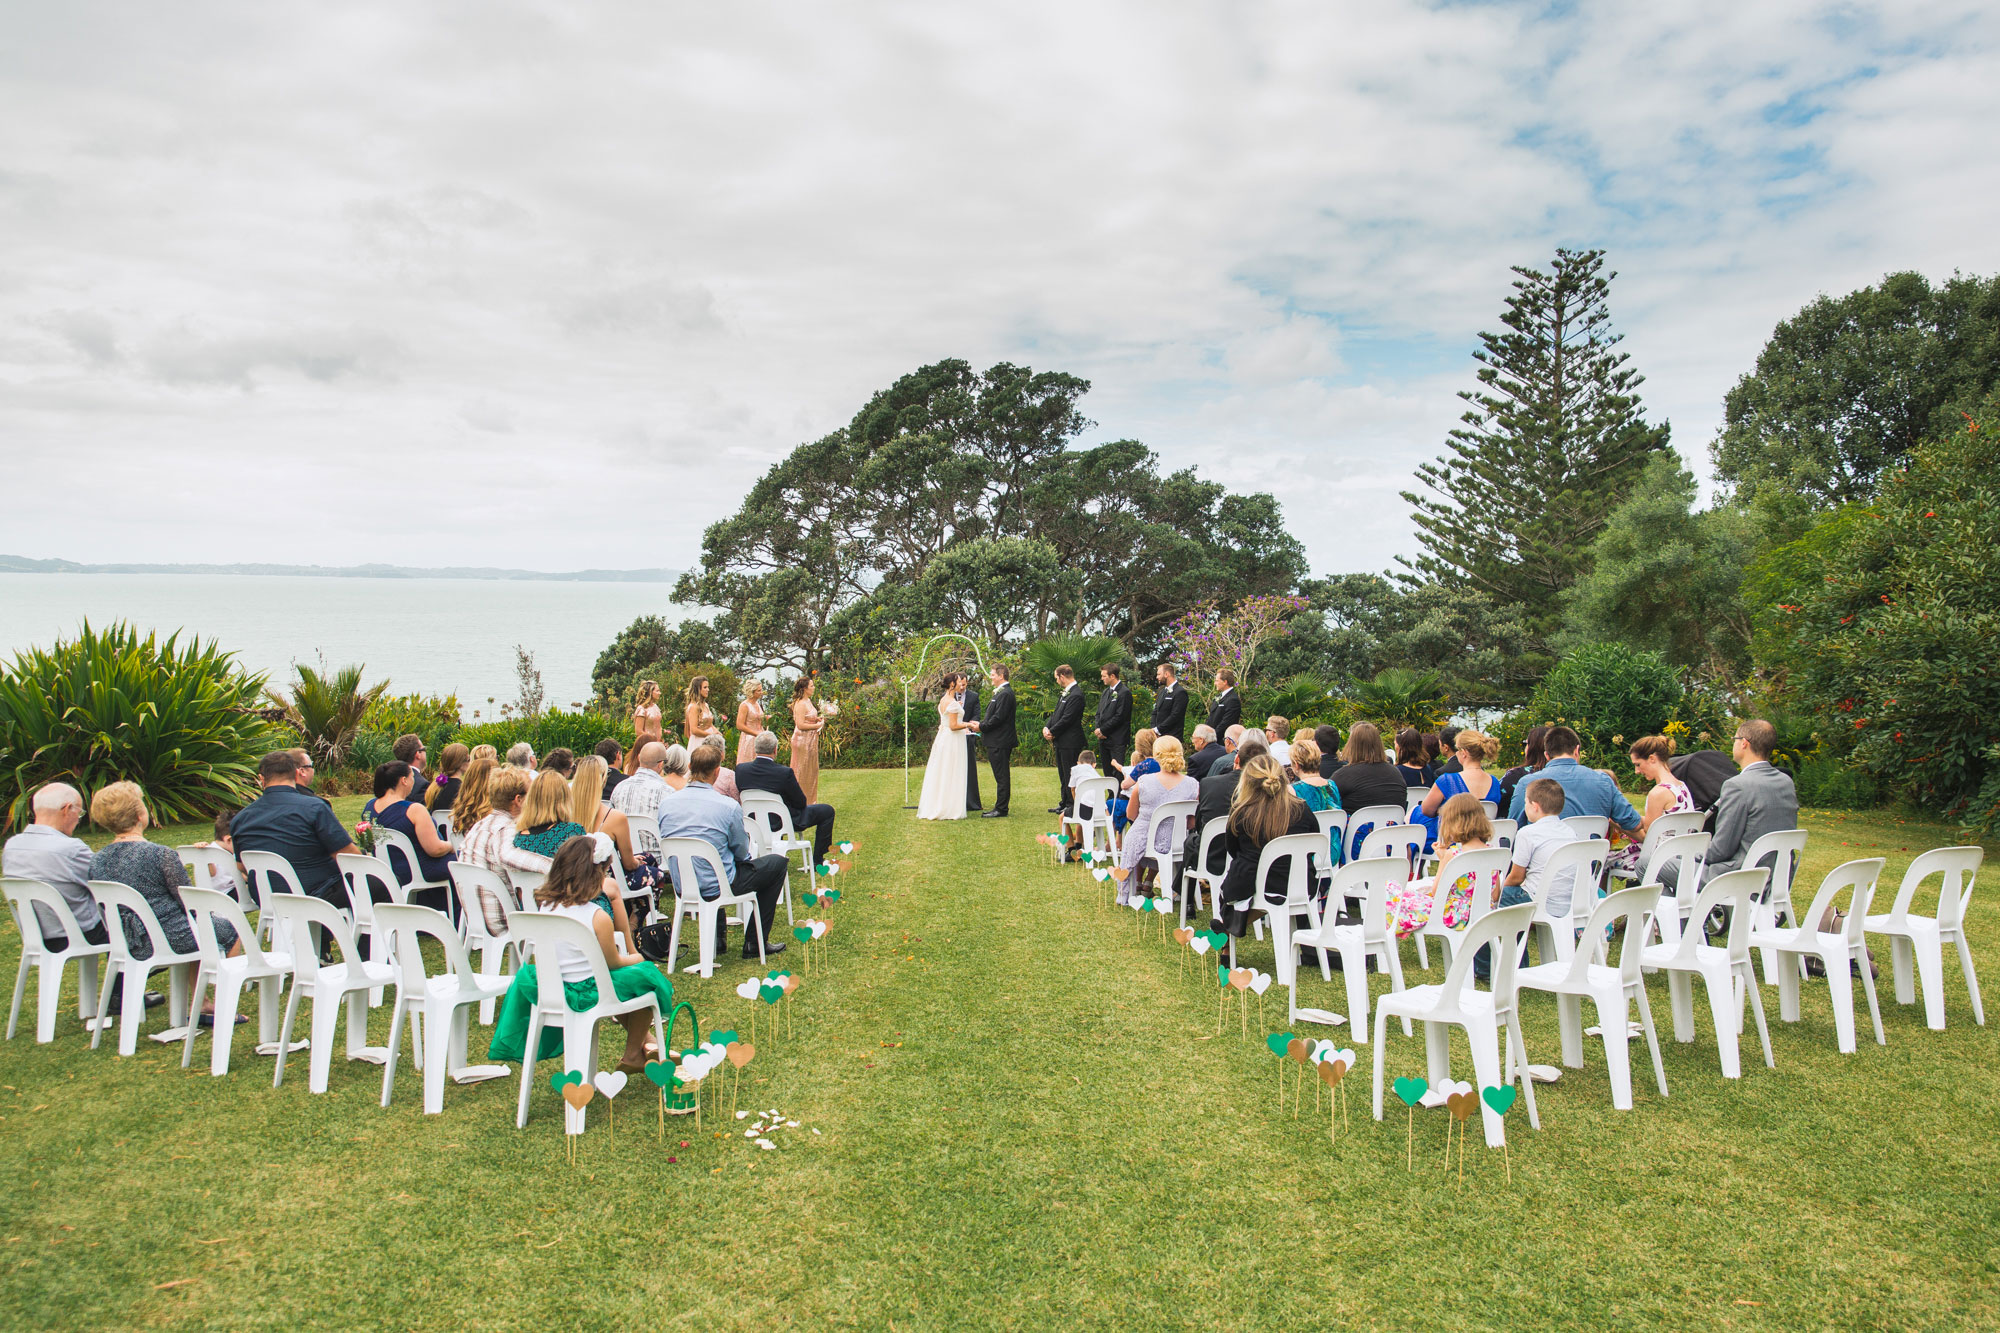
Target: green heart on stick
659,1073
831,895
1411,1090
1216,939
777,972
802,933
724,1038
561,1081
1222,974
1278,1041
809,897
1500,1099
770,992
1062,839
820,869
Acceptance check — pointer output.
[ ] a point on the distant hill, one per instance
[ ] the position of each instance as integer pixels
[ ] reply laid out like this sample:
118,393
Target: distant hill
14,564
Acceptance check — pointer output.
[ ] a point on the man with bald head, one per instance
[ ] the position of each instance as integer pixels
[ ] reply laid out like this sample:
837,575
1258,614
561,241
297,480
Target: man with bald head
45,850
638,797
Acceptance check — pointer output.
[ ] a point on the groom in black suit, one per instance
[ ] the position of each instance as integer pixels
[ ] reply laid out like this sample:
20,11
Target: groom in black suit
996,732
971,745
1170,705
1065,730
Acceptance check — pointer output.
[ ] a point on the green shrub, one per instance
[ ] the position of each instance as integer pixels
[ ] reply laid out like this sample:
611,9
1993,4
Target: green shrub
1834,784
179,720
370,750
324,709
1611,695
1398,697
577,732
433,717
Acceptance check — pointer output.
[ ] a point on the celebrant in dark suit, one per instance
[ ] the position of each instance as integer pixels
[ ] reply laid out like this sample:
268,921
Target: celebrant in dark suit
1064,729
996,733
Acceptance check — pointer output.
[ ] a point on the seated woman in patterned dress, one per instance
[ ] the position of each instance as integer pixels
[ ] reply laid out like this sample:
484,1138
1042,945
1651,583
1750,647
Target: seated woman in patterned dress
1668,796
1462,827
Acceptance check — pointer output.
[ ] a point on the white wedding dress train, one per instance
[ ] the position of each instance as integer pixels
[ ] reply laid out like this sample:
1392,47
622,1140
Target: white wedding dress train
944,772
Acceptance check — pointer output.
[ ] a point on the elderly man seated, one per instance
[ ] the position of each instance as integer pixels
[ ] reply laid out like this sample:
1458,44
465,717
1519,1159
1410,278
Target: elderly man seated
700,811
765,773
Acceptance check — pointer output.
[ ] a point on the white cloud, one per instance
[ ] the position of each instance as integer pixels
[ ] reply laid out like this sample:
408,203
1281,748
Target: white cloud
650,248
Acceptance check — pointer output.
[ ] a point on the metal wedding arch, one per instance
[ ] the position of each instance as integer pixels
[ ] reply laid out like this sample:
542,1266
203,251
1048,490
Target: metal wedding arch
908,681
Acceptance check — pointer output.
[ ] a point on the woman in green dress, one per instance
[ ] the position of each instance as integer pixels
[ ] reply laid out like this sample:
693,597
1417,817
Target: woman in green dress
577,878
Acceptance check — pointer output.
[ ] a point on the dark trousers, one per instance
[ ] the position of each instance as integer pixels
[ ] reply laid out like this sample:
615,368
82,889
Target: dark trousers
972,772
1003,776
1066,760
1117,745
818,818
765,878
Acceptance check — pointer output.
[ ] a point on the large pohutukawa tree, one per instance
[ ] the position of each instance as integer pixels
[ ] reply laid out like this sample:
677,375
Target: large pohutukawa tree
957,499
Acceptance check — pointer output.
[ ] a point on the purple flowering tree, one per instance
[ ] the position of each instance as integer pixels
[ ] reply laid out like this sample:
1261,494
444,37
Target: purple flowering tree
1205,640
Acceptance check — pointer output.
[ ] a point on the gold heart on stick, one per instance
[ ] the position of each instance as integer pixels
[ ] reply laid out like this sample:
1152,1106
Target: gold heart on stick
1461,1105
1120,873
1184,934
1331,1073
790,983
741,1053
1241,978
1296,1049
578,1095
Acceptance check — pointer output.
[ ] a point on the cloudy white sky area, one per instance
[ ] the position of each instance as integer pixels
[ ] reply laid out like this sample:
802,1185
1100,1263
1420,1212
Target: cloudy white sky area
486,283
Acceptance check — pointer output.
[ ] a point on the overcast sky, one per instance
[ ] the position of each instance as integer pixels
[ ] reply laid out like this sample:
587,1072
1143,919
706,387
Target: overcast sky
548,286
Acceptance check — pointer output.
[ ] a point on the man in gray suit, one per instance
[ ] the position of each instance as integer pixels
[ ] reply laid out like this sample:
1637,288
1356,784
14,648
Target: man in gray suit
1761,799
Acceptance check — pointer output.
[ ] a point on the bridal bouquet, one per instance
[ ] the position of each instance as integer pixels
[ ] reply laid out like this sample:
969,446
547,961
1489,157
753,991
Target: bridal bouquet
829,708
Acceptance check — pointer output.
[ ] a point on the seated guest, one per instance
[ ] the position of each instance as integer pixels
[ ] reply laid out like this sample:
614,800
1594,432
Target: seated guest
725,779
410,749
295,825
1129,774
1205,750
443,792
576,888
765,773
659,771
1586,791
1277,729
1168,782
486,752
474,797
1410,764
545,825
1649,755
1310,787
1329,741
1474,751
305,774
1761,799
1448,746
521,755
1534,754
1367,778
560,760
1084,770
589,808
222,833
1462,827
45,851
613,755
488,842
700,811
155,871
1536,843
1433,748
1212,802
1263,808
392,808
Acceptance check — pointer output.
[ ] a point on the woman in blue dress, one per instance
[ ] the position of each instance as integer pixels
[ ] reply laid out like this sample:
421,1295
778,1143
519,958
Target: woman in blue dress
1475,750
1142,764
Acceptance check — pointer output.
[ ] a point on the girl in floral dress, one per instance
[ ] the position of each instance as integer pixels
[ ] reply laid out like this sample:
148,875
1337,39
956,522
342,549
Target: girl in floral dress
1462,827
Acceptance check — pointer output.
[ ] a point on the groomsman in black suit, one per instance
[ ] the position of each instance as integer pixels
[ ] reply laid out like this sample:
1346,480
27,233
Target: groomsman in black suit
1114,717
1170,705
996,732
971,745
1227,710
1065,729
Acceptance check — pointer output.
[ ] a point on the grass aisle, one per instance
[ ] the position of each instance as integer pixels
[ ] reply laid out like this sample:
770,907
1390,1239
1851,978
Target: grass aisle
1027,1121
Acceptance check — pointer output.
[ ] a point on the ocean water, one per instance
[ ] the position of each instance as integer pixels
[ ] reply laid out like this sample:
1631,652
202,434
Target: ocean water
428,636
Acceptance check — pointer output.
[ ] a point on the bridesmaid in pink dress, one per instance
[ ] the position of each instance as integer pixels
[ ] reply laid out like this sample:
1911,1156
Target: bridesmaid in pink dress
750,717
806,726
645,723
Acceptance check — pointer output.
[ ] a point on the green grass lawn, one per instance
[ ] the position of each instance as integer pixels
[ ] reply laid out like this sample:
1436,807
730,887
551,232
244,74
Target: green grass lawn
1027,1120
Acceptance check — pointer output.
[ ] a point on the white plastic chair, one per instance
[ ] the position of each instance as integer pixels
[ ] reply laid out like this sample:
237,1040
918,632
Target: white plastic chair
133,972
1590,826
1670,825
442,818
1725,970
1583,861
1294,849
1836,950
270,874
1492,809
1504,831
1177,814
1922,938
385,838
1784,847
330,986
1487,866
1583,976
1684,852
1416,800
1368,881
471,881
1455,1003
1368,818
760,808
268,968
1098,794
363,875
23,896
214,868
681,857
1196,880
1404,842
550,934
438,1007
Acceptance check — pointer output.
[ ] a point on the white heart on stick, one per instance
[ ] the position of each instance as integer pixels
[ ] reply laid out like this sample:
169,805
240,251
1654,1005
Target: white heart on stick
748,990
1260,982
1199,945
610,1082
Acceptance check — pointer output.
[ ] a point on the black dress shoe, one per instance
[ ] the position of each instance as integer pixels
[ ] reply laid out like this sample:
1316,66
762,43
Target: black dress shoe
769,949
994,814
154,999
1057,810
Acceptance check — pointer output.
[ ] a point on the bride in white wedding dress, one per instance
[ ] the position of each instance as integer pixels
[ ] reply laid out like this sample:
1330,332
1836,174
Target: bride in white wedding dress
944,772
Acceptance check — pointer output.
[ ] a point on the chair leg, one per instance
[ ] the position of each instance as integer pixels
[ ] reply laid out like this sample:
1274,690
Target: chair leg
1725,1006
228,994
1381,1038
1746,977
326,1018
194,1007
1569,1022
285,1032
267,1006
134,1005
1900,962
48,998
1355,971
1485,1044
1875,1008
178,977
111,975
1929,957
1964,965
438,1039
1788,986
1840,985
86,989
1520,1048
528,1054
1680,999
1611,1021
1652,1037
1437,1052
396,1012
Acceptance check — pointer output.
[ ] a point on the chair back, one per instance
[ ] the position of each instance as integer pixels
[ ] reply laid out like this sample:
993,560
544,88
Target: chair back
1211,833
1492,809
777,815
1737,890
1370,881
1416,800
207,905
406,924
362,874
1332,822
1479,863
1958,866
270,874
1583,860
1504,831
111,896
212,868
1297,851
24,895
468,882
550,934
388,840
442,818
527,883
1175,813
1858,878
1784,847
1631,906
298,913
681,857
1403,841
1684,851
1500,929
1097,793
1670,825
1590,826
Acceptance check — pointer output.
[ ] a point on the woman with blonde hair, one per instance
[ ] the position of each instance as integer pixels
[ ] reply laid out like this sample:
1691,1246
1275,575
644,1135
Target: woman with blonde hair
1262,809
1142,764
545,823
1475,750
750,719
485,752
154,870
1309,786
1167,782
488,841
699,716
1462,827
806,726
589,808
475,799
646,725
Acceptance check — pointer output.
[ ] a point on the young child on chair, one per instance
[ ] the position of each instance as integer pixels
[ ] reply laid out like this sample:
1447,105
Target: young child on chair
1534,846
578,877
1086,768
